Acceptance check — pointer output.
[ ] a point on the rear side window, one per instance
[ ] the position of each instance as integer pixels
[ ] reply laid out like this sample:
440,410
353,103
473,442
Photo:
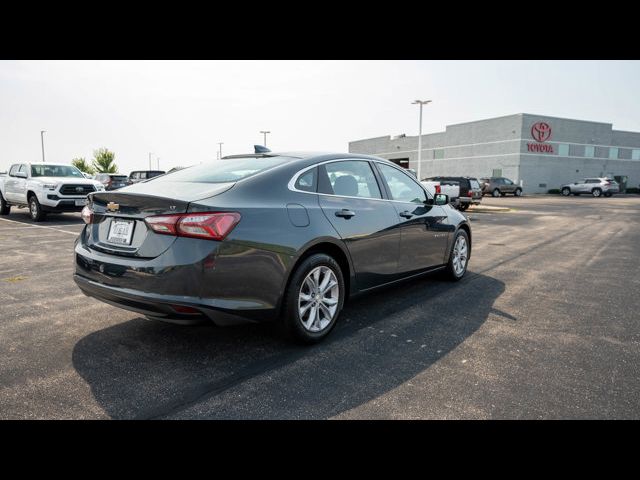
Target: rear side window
308,181
349,178
224,171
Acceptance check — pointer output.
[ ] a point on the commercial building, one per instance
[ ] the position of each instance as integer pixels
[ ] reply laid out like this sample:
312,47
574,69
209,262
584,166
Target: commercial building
540,151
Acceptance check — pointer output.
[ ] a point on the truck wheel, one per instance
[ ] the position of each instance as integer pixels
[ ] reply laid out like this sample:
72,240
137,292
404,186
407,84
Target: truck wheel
496,192
596,192
4,208
35,210
566,191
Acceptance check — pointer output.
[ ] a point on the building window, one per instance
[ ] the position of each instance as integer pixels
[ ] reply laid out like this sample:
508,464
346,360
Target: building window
613,153
563,150
438,154
589,151
635,154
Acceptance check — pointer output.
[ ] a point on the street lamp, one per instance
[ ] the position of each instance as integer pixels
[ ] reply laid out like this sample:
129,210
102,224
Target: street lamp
220,150
42,142
150,167
421,103
264,132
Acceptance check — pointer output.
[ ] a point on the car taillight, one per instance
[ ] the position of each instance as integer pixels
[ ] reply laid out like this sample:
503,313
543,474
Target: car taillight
607,183
208,225
87,214
469,193
438,189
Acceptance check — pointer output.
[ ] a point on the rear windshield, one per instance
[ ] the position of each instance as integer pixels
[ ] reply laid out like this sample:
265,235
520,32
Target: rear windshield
223,171
474,184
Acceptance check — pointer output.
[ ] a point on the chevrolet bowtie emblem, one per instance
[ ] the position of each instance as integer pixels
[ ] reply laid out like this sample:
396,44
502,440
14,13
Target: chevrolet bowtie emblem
112,207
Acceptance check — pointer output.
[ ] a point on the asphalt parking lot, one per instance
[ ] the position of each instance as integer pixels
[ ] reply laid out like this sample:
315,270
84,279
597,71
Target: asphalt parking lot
546,324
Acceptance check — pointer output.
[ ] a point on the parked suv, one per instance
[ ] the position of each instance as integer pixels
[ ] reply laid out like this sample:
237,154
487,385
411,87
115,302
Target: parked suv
112,181
45,187
141,175
470,191
500,186
596,186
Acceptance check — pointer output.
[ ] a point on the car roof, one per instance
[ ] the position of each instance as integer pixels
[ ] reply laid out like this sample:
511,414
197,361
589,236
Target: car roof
304,156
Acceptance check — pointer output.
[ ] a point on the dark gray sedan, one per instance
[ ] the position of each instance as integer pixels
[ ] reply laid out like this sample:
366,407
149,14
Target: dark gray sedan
266,236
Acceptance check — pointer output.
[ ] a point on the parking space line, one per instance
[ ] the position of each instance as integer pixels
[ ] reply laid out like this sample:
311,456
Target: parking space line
41,226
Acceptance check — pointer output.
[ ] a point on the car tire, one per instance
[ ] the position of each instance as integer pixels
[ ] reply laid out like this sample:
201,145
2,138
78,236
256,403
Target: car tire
300,301
35,210
4,208
463,206
596,192
456,270
608,194
518,192
566,191
496,192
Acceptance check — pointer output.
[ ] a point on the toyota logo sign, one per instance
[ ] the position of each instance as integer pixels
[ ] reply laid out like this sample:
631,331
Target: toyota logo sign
541,131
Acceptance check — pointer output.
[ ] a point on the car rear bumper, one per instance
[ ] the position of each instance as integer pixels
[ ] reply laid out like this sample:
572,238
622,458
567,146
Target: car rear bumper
222,312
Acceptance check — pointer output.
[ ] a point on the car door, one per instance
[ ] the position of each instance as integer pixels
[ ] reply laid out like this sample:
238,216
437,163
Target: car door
19,186
424,228
583,186
351,199
9,183
507,186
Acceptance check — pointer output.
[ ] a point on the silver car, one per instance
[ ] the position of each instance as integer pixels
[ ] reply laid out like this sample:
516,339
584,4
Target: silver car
595,186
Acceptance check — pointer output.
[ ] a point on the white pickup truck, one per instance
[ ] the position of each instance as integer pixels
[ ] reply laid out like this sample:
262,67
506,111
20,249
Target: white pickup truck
45,187
448,188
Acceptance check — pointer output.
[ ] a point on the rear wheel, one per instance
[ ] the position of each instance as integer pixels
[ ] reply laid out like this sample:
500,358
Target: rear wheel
313,299
4,208
596,192
608,194
496,192
35,210
463,206
459,257
566,191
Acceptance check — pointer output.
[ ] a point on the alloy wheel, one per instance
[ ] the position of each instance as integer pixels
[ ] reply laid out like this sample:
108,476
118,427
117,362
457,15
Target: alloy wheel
318,299
460,254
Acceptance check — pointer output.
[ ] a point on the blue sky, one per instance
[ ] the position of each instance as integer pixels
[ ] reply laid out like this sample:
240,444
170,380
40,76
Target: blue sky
179,110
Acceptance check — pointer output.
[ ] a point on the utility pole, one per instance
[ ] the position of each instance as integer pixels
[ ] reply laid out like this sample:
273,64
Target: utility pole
150,161
220,150
264,132
42,142
421,103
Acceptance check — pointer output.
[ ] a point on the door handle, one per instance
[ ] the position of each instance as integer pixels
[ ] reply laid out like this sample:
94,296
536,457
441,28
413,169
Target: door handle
344,213
406,214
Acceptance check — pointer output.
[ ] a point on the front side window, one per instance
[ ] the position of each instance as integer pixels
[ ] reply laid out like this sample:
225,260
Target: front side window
507,181
401,187
349,178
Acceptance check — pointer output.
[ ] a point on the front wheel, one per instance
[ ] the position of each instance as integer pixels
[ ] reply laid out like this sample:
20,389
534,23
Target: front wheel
459,257
35,210
4,208
566,191
596,192
518,192
313,299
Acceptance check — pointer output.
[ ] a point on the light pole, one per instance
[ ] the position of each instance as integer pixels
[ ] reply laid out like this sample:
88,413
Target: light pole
42,142
220,150
264,132
421,103
150,167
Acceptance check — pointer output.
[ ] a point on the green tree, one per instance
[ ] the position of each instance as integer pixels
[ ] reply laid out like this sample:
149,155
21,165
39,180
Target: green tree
82,165
103,161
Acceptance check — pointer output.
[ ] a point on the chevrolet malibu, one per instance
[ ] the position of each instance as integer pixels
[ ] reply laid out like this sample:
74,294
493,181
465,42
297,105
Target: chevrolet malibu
285,237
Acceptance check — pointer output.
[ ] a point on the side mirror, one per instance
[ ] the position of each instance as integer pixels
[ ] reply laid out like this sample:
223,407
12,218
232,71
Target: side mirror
21,174
441,199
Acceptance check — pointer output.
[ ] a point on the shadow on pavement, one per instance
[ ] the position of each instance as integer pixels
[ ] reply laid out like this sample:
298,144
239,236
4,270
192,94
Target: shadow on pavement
144,369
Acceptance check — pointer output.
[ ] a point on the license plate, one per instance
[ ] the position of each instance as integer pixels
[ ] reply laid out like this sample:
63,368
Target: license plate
120,231
81,203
